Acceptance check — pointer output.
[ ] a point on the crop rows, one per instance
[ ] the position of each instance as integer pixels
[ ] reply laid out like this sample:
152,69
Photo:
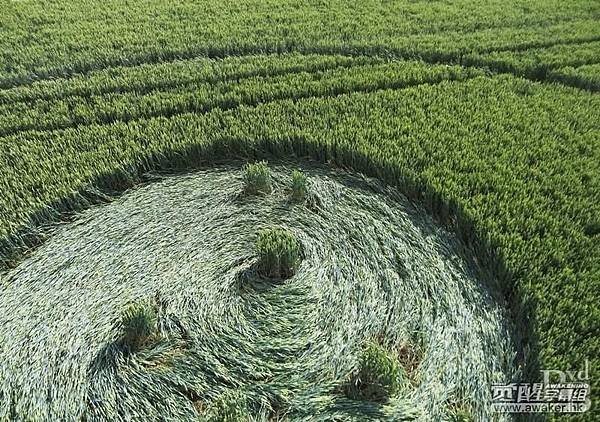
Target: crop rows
201,97
78,46
200,85
149,77
537,63
534,62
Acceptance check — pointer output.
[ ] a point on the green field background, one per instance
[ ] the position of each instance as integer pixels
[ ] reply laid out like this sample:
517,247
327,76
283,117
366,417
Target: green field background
487,112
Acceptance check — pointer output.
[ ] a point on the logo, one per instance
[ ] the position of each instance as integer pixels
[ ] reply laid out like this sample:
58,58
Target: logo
559,392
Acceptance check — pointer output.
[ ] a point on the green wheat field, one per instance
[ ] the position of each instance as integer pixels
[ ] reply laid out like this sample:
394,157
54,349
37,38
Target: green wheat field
296,210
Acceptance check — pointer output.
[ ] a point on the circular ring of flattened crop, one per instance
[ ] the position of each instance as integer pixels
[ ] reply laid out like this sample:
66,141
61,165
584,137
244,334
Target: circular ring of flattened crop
222,340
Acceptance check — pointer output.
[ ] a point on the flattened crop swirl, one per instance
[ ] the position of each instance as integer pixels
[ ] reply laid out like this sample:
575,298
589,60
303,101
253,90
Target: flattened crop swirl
374,266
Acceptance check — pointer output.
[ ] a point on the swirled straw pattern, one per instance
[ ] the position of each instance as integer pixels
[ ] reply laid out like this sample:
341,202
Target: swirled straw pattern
374,266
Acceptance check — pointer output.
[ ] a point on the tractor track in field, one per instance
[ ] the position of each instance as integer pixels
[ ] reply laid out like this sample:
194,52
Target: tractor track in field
206,110
307,67
382,52
345,62
540,74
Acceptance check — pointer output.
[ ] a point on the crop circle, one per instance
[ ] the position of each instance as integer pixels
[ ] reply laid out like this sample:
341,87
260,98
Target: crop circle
375,269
